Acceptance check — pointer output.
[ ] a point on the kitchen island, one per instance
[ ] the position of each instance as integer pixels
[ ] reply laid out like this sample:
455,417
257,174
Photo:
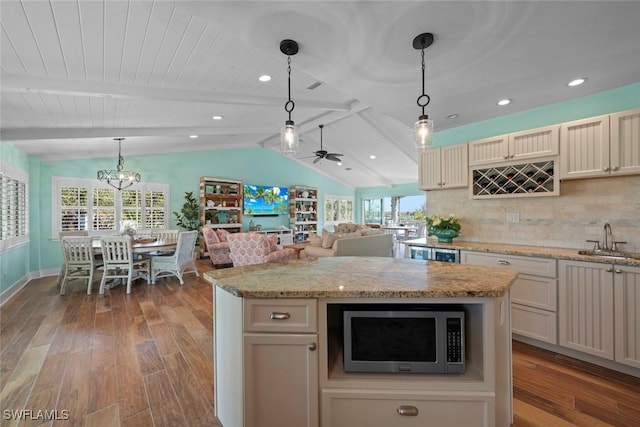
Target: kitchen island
278,352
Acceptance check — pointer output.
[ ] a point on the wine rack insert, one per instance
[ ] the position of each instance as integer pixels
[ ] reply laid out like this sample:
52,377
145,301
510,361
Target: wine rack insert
520,180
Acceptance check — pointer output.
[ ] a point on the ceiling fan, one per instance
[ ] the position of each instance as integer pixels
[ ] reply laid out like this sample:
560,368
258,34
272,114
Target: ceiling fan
324,154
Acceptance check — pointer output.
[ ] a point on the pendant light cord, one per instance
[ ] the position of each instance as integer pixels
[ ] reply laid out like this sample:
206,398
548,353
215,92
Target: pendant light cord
290,105
424,98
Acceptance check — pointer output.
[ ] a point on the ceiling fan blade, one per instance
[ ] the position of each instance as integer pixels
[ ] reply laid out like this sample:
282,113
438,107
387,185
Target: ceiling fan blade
332,156
317,160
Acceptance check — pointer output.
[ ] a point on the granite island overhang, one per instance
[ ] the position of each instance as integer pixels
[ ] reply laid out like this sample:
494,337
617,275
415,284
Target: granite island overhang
360,277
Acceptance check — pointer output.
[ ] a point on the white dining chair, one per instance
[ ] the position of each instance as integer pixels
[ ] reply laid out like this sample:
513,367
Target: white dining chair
79,261
180,262
164,234
60,236
119,262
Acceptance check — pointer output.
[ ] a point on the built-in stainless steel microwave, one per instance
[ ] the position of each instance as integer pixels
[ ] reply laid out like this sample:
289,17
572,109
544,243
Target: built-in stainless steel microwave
403,338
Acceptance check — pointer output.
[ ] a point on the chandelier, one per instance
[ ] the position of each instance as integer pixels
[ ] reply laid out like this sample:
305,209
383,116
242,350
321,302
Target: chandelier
289,143
119,178
423,128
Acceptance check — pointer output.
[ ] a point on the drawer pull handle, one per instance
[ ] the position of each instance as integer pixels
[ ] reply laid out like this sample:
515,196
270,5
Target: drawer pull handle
280,316
407,411
503,262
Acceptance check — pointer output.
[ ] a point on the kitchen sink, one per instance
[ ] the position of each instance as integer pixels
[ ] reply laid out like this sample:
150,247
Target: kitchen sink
610,254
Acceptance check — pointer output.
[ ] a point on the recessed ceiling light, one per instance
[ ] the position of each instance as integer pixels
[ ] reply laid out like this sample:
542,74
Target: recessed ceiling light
217,117
372,156
504,102
452,116
264,78
339,163
577,82
193,136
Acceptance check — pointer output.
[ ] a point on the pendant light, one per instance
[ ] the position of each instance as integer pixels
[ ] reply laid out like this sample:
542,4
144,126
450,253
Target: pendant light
289,142
119,178
423,128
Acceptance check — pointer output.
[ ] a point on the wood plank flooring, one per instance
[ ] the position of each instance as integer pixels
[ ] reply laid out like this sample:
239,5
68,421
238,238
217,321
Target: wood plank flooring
146,359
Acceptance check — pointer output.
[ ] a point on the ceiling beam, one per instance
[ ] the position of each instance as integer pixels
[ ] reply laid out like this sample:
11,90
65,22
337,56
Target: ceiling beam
370,118
16,134
66,87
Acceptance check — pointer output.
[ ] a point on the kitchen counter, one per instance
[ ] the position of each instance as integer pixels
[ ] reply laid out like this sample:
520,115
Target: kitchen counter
360,277
534,251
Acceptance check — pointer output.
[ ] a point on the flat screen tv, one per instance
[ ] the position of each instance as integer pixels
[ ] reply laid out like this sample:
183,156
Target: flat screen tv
265,200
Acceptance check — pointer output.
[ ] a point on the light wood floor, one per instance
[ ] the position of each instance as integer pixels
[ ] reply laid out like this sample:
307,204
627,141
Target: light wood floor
146,359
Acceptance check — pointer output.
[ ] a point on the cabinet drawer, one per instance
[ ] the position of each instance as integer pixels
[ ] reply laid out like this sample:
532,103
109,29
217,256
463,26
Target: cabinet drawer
280,315
534,323
522,264
355,408
535,291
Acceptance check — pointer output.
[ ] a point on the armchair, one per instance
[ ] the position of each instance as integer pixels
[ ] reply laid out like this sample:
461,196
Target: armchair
256,248
218,251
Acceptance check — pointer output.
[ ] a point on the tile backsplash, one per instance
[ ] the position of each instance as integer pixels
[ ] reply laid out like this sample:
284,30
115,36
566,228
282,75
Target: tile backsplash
565,221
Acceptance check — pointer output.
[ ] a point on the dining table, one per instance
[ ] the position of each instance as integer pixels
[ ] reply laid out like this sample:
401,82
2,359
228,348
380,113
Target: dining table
147,246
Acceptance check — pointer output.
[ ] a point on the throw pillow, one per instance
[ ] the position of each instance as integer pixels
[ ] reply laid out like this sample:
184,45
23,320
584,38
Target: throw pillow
315,240
329,239
222,234
273,242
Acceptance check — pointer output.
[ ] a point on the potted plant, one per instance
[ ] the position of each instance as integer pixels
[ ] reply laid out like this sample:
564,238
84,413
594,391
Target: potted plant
189,215
444,228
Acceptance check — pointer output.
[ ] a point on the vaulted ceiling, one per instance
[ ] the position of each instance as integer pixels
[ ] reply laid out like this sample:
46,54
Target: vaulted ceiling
76,74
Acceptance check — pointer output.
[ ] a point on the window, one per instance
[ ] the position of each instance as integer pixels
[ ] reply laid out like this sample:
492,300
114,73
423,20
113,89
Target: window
394,209
85,204
337,209
14,213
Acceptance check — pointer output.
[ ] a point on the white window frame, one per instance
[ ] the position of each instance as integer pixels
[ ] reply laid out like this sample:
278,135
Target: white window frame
58,182
21,211
340,199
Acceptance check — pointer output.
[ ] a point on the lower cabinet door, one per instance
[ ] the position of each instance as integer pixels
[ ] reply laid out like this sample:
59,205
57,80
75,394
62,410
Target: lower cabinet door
385,408
534,323
281,380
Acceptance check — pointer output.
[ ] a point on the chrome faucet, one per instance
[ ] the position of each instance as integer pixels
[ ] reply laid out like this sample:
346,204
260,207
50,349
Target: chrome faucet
607,236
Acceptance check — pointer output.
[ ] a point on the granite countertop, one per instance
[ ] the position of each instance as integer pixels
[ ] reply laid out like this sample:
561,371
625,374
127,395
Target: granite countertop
362,277
534,251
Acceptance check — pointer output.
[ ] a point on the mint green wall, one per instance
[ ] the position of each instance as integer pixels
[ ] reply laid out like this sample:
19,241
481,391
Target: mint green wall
14,262
182,171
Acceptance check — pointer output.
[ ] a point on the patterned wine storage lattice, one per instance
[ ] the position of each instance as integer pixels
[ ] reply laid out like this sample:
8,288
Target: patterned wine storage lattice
522,180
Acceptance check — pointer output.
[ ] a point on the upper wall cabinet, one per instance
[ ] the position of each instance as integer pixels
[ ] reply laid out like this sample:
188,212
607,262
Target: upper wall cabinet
601,146
529,144
625,142
584,148
444,168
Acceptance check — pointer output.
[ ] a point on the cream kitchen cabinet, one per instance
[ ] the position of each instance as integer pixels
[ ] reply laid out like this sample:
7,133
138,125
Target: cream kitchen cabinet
585,308
626,290
533,294
529,144
349,408
269,366
600,146
625,143
444,168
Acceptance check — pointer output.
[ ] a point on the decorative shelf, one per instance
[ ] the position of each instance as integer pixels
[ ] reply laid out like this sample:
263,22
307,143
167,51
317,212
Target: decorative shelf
516,180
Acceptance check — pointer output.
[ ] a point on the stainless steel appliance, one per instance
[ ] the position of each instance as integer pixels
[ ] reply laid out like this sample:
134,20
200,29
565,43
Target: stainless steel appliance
433,254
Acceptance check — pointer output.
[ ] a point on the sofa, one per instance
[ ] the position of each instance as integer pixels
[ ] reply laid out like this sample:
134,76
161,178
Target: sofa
256,248
363,242
217,246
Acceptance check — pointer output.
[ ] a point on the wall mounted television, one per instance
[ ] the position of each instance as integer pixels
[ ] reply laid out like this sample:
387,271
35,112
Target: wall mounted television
265,200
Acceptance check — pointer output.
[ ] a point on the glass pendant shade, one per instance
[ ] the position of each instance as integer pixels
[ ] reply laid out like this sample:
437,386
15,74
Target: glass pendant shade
289,143
423,133
119,178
